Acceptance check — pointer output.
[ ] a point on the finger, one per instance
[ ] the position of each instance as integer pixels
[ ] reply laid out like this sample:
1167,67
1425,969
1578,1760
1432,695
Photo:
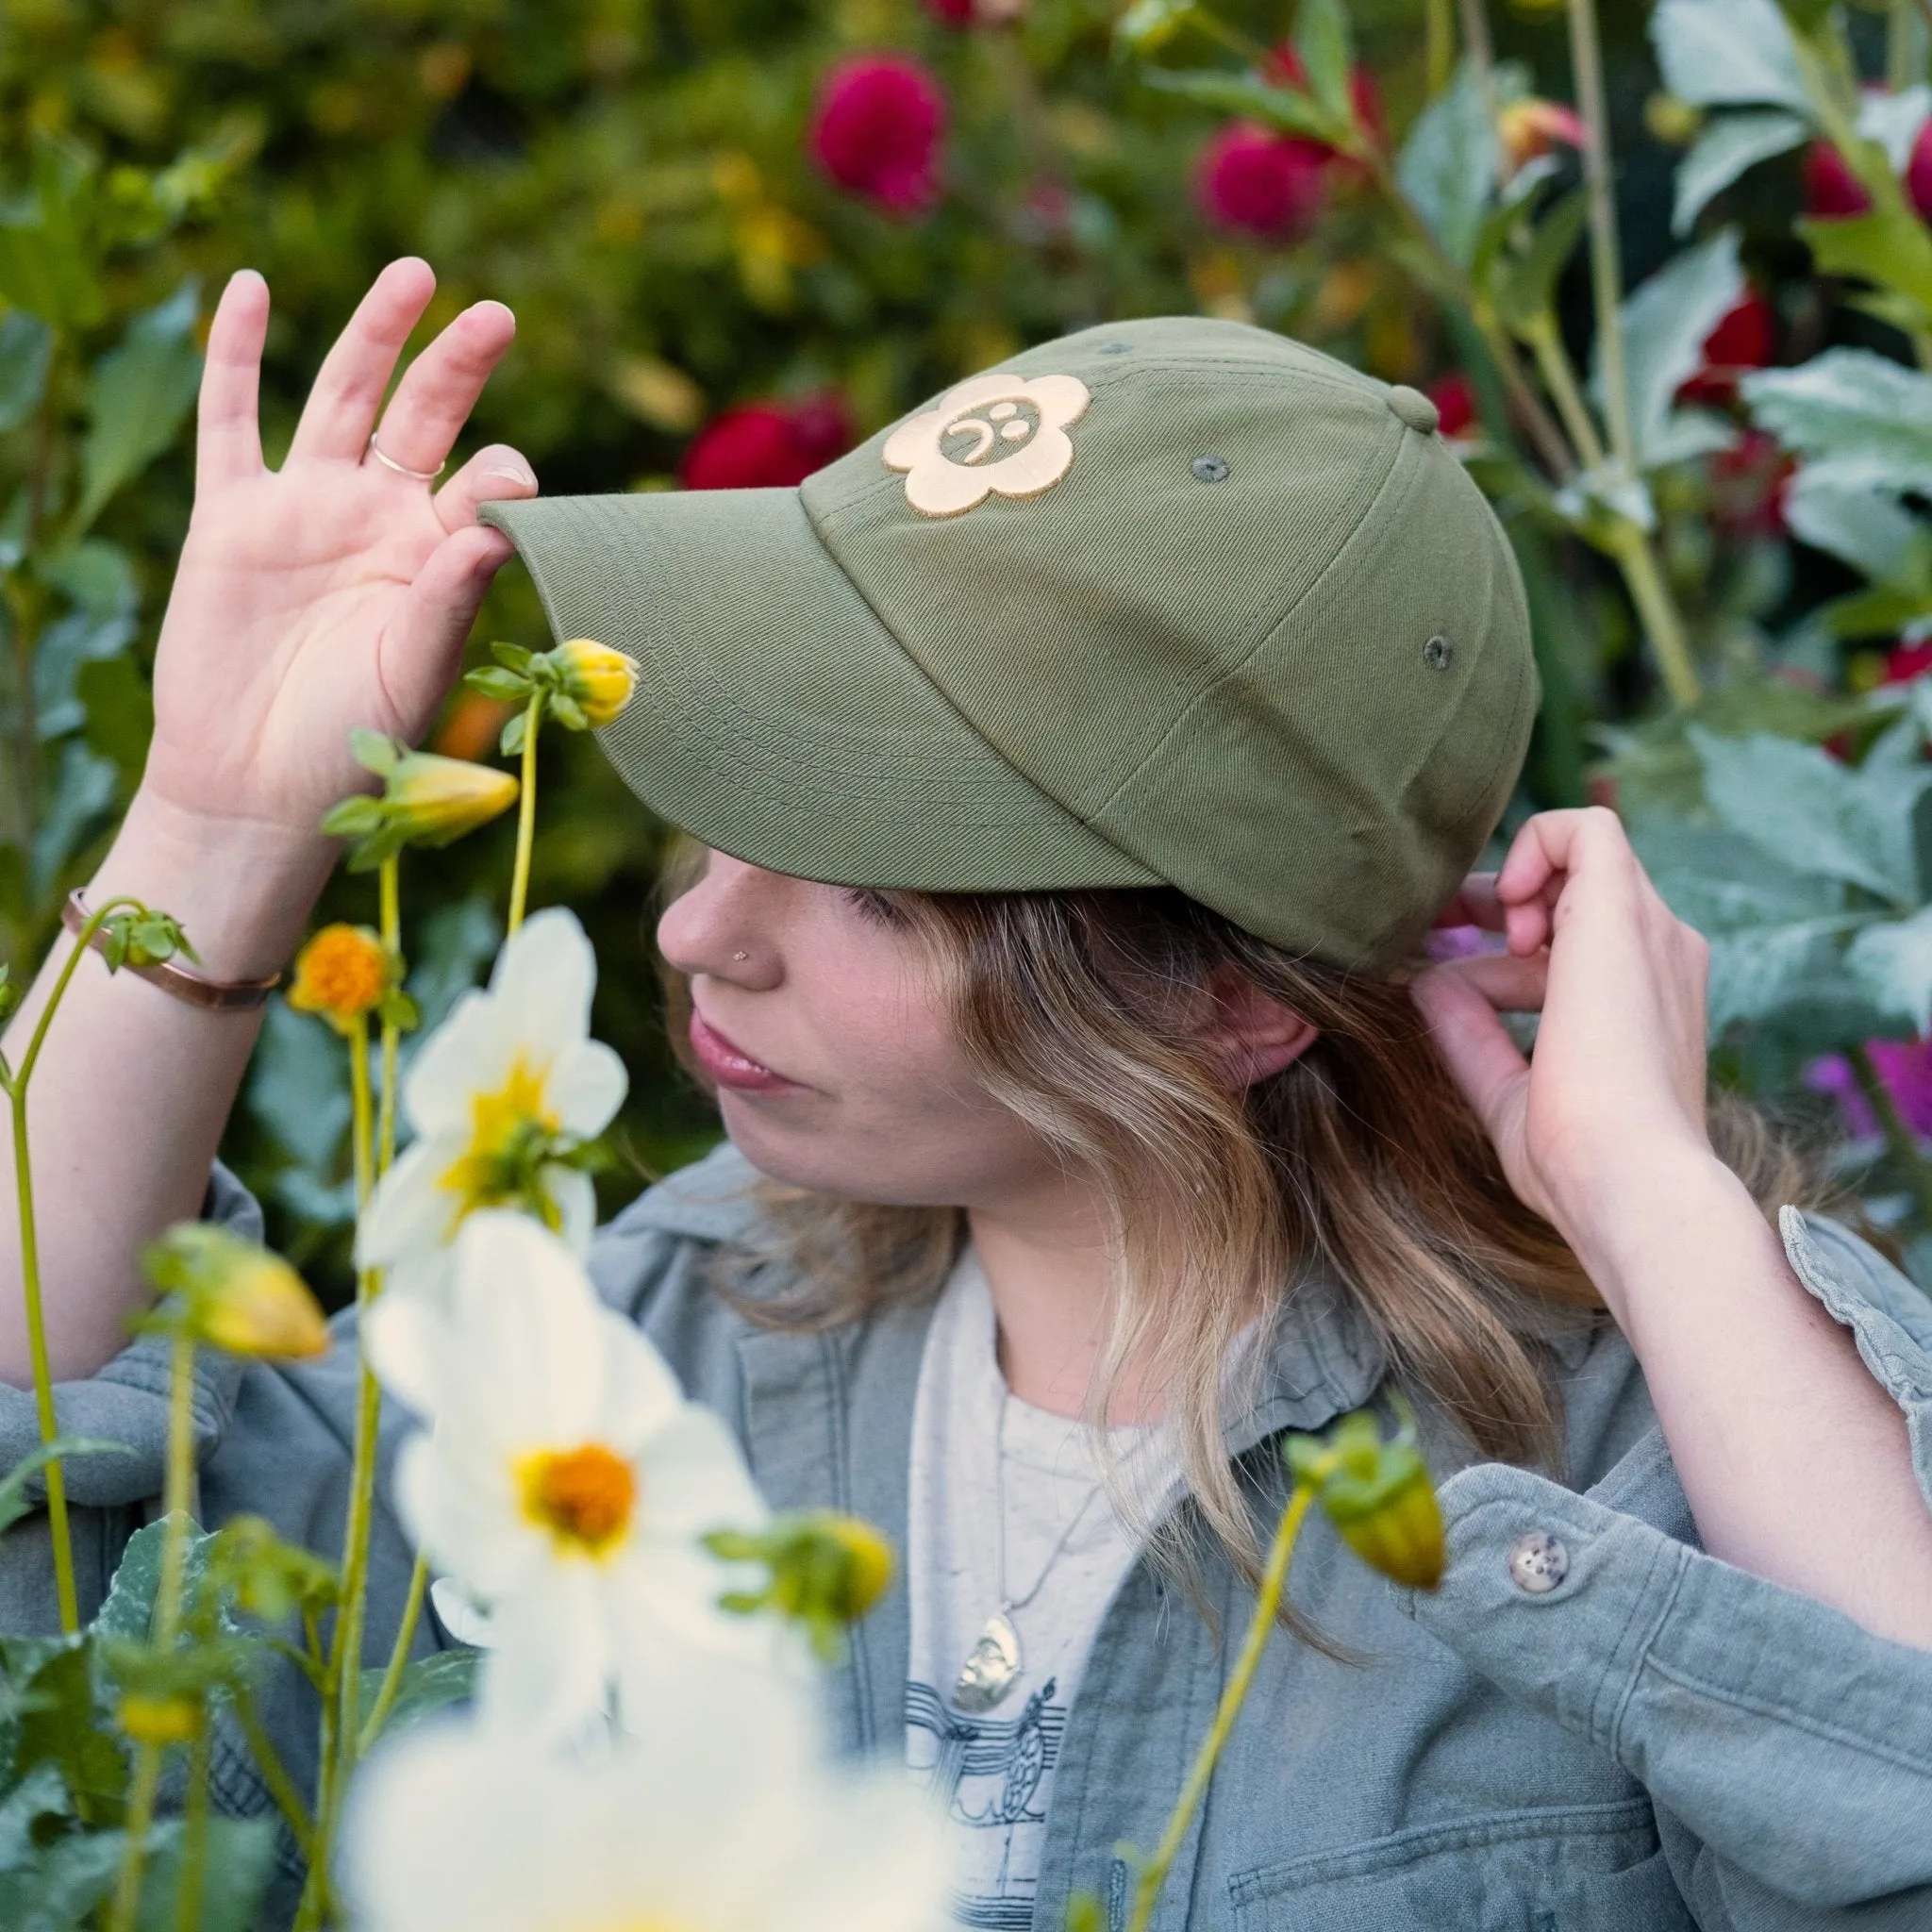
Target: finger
1509,984
440,387
228,434
340,409
423,649
1475,904
491,476
1549,849
1481,1057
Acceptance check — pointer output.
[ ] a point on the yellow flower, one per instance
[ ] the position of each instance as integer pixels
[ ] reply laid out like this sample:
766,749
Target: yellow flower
598,679
436,799
234,1294
341,974
150,1720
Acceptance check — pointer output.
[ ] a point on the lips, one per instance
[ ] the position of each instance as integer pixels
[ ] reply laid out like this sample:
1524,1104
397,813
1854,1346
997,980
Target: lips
728,1064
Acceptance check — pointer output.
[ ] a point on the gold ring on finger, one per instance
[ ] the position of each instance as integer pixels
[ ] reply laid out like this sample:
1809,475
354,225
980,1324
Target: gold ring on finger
388,462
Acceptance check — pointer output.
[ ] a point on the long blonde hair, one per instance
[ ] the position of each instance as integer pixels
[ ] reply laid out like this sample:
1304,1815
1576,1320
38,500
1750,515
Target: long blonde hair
1362,1155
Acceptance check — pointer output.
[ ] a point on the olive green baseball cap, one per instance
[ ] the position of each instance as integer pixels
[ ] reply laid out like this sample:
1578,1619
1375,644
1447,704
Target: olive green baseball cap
1174,601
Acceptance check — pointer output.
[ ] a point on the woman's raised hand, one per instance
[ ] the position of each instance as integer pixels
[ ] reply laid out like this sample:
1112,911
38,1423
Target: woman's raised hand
1615,1091
334,592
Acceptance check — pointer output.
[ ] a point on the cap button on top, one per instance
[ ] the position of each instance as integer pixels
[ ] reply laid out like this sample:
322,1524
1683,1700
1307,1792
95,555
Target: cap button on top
1412,407
1538,1562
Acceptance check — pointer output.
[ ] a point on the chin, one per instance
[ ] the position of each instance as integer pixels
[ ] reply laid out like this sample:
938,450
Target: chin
813,1161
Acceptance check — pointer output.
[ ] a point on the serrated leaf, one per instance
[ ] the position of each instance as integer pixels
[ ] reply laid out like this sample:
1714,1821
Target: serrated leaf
1728,52
1809,812
1725,150
1865,529
1862,421
1664,325
429,1684
128,1611
1893,962
1326,43
1719,881
1755,975
1448,165
13,1497
58,1726
1287,109
138,398
1889,246
40,1795
63,1884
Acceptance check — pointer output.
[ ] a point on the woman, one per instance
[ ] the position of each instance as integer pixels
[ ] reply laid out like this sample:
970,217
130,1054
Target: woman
1077,769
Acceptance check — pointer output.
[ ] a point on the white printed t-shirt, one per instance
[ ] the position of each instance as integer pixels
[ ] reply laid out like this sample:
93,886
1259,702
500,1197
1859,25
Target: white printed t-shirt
993,1770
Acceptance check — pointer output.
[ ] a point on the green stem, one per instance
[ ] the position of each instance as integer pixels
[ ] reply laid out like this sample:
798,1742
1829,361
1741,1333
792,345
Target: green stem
1439,57
398,1658
360,1111
1482,53
275,1773
1900,1141
526,814
177,1490
14,1083
1606,270
192,1879
140,1818
1553,365
1261,1625
1657,613
1901,42
389,879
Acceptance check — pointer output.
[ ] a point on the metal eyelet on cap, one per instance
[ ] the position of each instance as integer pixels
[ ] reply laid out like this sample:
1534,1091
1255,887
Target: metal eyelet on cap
1209,468
1538,1562
1437,653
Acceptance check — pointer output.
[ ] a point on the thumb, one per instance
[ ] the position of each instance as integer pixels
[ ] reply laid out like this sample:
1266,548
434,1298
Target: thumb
422,649
1482,1059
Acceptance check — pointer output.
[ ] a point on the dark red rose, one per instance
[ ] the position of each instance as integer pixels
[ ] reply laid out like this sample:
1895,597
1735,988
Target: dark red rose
1745,338
1830,187
1262,183
877,131
1455,402
766,445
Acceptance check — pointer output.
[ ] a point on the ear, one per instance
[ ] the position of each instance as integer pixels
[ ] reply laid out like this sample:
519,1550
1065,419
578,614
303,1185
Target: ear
1252,1034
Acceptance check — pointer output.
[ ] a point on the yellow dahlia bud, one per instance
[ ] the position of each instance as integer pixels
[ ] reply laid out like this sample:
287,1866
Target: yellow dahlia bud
341,974
826,1571
1531,127
1378,1496
425,800
234,1294
596,678
1671,121
151,1720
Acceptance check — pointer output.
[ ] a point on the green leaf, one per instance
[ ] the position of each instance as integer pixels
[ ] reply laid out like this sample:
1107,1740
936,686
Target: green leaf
1149,24
353,817
1893,963
46,264
1862,421
298,1087
1889,246
429,1684
1523,285
1759,974
1863,528
511,741
1326,43
58,1726
1448,165
1287,109
495,682
512,657
127,1611
85,789
40,1795
1725,149
375,751
1728,52
119,703
13,1500
1720,881
137,399
1664,325
240,1861
62,1884
26,348
1811,813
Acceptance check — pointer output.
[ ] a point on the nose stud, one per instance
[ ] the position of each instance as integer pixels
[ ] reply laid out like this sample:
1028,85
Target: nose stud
741,956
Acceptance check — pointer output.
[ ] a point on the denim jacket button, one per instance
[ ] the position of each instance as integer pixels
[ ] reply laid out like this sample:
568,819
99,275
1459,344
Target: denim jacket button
1538,1562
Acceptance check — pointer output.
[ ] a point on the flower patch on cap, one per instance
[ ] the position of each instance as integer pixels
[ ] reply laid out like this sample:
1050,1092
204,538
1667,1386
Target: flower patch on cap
990,433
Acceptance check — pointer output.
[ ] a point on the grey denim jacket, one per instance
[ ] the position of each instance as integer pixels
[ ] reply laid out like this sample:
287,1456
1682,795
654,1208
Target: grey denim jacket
1660,1742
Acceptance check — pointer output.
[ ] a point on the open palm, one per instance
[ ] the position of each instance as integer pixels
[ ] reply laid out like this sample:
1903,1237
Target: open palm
336,590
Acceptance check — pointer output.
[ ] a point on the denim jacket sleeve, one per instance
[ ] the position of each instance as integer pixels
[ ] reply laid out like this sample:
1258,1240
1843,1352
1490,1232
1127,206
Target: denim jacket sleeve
1787,1750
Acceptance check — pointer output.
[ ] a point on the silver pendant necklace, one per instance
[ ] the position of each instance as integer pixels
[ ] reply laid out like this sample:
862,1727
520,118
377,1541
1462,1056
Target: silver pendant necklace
996,1659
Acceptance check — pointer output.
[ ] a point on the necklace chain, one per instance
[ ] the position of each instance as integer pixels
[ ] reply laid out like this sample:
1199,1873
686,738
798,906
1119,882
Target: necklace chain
1010,1604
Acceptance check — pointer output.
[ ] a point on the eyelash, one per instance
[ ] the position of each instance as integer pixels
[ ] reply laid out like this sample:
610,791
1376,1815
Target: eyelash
874,905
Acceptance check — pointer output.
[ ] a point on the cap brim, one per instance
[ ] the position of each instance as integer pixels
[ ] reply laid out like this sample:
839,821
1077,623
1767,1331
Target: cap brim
775,717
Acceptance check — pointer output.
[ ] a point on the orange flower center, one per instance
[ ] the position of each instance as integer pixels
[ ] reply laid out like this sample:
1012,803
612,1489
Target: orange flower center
584,1497
342,972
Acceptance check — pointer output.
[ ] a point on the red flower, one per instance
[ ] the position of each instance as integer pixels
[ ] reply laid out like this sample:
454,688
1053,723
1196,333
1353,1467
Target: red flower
1745,338
1748,483
1285,67
766,445
1830,187
1919,174
976,13
1906,662
1262,183
877,131
1455,402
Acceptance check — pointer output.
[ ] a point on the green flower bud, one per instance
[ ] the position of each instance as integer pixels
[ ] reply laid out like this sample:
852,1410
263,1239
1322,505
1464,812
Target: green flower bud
827,1572
233,1295
1377,1494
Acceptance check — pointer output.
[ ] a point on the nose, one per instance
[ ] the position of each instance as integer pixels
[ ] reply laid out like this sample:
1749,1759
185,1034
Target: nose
716,926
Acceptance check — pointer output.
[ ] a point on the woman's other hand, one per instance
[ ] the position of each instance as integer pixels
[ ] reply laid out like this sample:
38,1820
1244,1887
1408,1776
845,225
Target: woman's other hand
1615,1091
334,592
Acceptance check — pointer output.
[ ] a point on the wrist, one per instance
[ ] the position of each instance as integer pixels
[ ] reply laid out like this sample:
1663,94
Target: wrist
243,889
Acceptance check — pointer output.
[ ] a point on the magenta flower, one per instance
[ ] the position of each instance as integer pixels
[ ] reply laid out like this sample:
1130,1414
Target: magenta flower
1262,183
877,130
768,445
1903,1065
